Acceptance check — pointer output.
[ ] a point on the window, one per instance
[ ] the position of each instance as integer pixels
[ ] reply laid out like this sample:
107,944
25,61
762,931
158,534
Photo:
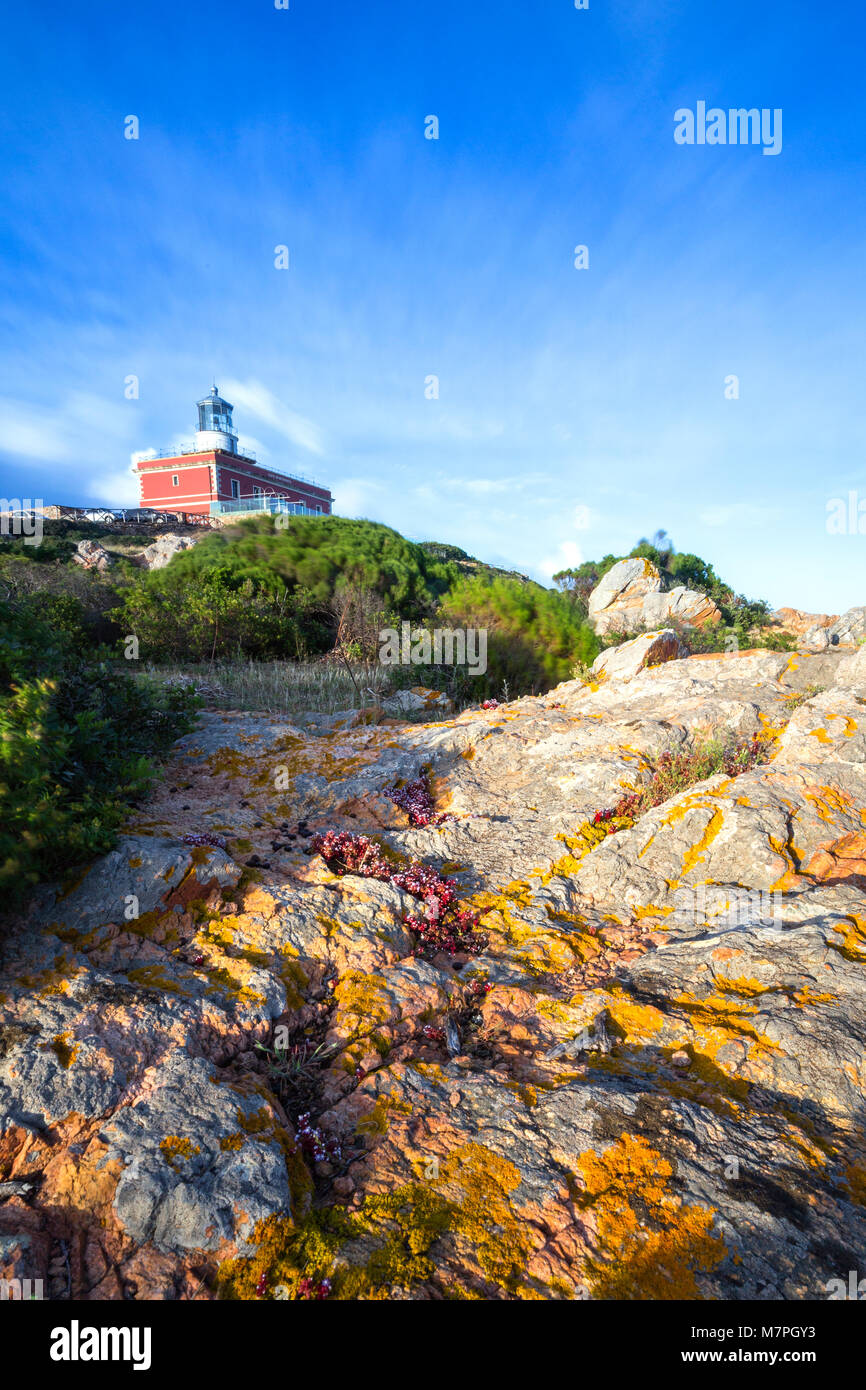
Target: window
236,488
175,481
318,511
257,492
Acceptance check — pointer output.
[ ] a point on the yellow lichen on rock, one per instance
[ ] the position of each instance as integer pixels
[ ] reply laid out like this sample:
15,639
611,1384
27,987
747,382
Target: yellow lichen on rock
645,1242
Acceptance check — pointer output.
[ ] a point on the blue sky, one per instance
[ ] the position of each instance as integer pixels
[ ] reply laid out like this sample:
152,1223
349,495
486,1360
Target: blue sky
578,409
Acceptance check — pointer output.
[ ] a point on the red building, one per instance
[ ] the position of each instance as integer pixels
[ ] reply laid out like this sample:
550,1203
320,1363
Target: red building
215,477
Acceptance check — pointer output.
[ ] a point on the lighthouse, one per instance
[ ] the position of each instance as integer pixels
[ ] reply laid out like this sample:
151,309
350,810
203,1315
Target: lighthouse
215,428
218,479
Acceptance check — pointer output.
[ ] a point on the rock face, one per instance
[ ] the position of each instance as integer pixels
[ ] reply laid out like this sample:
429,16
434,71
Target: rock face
795,621
651,649
92,556
850,629
632,596
816,631
647,1084
164,549
616,603
416,699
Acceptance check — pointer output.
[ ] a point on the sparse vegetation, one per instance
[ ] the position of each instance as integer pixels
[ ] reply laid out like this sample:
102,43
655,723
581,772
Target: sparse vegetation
675,770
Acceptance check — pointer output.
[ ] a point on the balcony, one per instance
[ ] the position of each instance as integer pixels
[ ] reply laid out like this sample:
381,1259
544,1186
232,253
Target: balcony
191,449
271,505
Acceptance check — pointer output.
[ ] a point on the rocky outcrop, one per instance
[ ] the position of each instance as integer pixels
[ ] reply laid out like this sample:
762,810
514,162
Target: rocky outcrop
616,603
632,596
643,1080
164,549
92,556
651,649
850,629
798,623
814,630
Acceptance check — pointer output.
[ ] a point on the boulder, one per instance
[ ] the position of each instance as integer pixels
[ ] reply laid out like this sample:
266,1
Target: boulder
164,549
632,596
92,556
616,603
687,606
851,671
850,629
800,624
651,649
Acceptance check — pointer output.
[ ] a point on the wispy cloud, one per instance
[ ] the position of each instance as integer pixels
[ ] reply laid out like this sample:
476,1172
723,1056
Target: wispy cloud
253,398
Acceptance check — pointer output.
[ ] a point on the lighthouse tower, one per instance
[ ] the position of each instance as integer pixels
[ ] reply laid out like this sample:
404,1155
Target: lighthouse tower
214,478
215,428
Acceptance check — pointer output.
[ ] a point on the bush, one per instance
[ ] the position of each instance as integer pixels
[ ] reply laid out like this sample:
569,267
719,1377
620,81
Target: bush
676,770
214,613
534,636
714,637
264,590
61,595
74,734
320,555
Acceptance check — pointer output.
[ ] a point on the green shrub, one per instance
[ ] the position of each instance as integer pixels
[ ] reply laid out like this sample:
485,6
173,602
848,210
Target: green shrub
534,637
214,613
262,590
320,555
74,739
61,595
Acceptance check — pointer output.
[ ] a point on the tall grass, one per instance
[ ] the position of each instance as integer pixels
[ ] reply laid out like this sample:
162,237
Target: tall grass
279,687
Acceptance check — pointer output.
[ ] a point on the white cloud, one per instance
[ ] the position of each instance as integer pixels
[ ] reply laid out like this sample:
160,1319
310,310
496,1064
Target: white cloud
569,556
139,456
248,443
354,496
33,433
83,429
482,487
114,489
257,400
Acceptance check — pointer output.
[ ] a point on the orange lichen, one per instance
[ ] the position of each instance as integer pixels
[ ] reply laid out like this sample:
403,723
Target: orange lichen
852,930
821,735
693,855
64,1050
648,1244
174,1148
